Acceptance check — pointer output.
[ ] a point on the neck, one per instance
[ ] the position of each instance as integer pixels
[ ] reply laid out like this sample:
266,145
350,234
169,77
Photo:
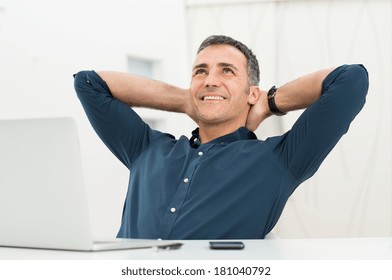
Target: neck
209,133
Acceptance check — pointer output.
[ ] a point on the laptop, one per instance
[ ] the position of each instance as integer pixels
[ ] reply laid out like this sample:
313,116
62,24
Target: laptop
43,202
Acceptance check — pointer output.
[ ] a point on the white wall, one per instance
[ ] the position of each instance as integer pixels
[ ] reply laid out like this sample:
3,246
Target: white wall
43,42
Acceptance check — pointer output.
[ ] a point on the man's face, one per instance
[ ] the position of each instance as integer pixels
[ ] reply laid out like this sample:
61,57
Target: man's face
219,86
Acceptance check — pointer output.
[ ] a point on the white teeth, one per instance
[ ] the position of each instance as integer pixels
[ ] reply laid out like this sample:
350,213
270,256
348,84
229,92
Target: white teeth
213,98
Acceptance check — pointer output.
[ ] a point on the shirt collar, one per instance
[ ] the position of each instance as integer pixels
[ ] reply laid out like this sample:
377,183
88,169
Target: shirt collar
240,134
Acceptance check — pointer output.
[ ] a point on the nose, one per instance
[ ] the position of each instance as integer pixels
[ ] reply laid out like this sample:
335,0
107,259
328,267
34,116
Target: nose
212,80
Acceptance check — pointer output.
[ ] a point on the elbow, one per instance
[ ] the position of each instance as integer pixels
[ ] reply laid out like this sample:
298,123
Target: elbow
80,80
354,83
359,81
362,79
85,84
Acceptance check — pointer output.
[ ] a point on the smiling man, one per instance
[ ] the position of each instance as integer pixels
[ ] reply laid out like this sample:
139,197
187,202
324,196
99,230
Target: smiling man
222,182
220,93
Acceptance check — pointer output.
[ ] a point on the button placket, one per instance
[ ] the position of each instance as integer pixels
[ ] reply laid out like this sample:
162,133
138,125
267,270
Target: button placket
174,209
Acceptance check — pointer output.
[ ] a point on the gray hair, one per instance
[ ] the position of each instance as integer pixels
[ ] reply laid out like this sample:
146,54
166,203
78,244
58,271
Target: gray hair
253,64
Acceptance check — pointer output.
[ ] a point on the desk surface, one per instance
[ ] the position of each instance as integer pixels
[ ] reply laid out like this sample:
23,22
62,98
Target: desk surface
272,249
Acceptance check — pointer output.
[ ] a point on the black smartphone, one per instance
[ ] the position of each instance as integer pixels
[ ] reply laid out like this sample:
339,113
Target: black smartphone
228,245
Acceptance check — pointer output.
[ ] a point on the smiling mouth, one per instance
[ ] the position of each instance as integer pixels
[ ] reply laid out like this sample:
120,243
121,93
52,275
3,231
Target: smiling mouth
212,97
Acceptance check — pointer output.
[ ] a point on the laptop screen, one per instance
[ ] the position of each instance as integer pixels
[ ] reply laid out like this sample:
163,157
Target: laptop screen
42,195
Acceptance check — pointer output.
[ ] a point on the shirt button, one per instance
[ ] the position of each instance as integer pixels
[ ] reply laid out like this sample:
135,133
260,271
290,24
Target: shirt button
186,180
200,153
172,209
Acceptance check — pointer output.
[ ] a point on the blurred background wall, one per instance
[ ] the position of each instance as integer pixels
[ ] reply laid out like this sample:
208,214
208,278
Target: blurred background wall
42,43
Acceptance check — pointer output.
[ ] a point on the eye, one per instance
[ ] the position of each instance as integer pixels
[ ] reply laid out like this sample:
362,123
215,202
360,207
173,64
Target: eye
228,70
200,71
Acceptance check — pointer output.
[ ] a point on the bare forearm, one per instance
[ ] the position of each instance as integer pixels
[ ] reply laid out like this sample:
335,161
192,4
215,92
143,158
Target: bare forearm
137,91
297,94
302,92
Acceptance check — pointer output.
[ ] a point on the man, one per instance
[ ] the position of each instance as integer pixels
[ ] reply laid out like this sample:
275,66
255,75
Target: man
222,183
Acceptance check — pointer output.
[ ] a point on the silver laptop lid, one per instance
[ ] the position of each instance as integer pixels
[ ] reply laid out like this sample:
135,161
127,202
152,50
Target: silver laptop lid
42,196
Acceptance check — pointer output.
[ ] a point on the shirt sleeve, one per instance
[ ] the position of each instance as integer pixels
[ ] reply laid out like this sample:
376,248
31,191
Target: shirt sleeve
302,149
118,126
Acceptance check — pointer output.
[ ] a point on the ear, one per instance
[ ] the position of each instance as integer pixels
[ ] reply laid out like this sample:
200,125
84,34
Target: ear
254,94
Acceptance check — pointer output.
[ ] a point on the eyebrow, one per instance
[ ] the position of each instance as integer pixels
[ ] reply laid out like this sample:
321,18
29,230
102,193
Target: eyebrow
201,65
221,64
224,64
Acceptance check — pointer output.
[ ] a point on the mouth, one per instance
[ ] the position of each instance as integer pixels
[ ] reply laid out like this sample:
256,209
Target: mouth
212,97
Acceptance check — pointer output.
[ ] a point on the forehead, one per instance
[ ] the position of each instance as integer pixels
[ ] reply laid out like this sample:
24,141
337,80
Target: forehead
218,54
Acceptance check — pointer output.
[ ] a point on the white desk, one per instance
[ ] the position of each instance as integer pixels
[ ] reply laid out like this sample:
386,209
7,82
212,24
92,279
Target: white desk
272,249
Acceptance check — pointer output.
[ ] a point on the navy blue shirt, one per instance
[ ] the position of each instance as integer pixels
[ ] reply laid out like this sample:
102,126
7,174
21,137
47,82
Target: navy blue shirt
233,187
